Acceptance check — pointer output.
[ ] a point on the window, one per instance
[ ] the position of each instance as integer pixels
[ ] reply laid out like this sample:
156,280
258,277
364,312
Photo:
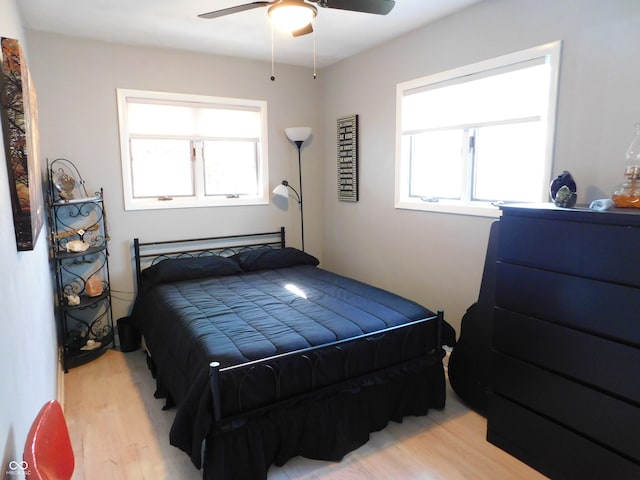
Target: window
191,151
479,135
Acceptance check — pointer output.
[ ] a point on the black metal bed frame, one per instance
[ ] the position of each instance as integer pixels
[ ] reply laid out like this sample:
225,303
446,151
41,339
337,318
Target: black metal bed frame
276,364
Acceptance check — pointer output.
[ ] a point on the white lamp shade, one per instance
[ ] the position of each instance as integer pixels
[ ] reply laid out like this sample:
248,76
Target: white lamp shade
298,134
281,191
291,15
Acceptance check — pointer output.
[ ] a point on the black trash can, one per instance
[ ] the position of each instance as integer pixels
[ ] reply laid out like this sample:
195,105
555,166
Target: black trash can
129,335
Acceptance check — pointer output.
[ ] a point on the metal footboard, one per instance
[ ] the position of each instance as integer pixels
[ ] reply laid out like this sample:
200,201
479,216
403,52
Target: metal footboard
277,364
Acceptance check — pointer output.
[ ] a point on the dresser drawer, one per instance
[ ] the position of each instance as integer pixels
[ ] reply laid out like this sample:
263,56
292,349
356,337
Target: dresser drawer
584,410
604,252
594,361
601,308
550,448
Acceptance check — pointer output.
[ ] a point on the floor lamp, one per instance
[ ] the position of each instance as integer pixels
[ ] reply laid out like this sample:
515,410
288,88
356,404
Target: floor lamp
297,135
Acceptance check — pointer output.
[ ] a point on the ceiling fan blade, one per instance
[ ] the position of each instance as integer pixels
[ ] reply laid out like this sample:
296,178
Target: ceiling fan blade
303,31
236,9
379,7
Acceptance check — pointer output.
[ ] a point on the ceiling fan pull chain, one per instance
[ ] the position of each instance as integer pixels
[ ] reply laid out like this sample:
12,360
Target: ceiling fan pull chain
314,54
273,68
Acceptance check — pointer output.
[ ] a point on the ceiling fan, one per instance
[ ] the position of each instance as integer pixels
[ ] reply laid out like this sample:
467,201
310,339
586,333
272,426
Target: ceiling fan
296,16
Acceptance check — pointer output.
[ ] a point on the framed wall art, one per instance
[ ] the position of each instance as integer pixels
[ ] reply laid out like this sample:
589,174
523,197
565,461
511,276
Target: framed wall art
348,158
19,118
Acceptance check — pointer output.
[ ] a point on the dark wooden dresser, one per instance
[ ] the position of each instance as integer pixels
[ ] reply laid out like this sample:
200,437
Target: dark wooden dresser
565,380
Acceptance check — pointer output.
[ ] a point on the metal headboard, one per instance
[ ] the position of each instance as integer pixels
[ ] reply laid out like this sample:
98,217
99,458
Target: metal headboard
150,253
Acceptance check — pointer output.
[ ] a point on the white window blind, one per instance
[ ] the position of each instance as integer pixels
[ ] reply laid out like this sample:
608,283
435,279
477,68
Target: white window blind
192,120
187,150
505,95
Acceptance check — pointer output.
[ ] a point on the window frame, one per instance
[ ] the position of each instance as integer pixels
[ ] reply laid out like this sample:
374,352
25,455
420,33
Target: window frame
199,199
551,53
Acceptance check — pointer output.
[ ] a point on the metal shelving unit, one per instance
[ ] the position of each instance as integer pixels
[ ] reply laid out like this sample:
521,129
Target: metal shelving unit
80,257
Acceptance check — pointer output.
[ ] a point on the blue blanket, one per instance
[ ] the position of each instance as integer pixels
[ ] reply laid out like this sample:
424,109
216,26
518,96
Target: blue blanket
236,318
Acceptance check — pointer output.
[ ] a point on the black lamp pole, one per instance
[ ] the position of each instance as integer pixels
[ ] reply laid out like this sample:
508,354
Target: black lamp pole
299,145
298,135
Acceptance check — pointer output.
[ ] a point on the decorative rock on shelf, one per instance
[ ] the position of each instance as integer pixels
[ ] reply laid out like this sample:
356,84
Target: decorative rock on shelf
73,300
76,246
94,286
91,345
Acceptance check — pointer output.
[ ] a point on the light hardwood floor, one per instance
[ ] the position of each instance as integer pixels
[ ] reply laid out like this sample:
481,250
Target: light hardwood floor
119,431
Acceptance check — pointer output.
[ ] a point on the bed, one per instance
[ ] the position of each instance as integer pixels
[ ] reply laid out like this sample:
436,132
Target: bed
267,356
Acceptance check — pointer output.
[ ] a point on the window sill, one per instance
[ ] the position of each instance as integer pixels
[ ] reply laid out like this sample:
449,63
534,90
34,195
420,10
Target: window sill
156,204
478,209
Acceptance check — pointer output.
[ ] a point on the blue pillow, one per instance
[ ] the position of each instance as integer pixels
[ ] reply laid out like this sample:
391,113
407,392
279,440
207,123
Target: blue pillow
269,258
188,268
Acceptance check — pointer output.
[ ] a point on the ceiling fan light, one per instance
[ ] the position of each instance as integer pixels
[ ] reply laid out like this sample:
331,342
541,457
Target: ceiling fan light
291,15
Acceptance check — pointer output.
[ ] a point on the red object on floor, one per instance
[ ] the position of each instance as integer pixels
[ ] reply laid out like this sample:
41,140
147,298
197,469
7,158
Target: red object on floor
48,454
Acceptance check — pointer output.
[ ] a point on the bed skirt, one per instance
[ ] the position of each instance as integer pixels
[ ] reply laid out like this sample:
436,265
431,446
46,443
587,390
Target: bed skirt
325,425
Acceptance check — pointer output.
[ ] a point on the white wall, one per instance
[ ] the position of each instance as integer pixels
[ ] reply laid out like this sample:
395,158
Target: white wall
28,352
437,259
78,116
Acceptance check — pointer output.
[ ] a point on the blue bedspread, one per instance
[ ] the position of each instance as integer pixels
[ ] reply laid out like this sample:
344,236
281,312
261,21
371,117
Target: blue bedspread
233,319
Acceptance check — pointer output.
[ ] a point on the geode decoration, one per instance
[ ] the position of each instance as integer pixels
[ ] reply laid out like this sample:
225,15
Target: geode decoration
565,198
563,190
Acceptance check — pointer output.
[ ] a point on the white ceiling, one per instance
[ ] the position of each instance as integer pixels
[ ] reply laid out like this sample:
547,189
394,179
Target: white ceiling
174,24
